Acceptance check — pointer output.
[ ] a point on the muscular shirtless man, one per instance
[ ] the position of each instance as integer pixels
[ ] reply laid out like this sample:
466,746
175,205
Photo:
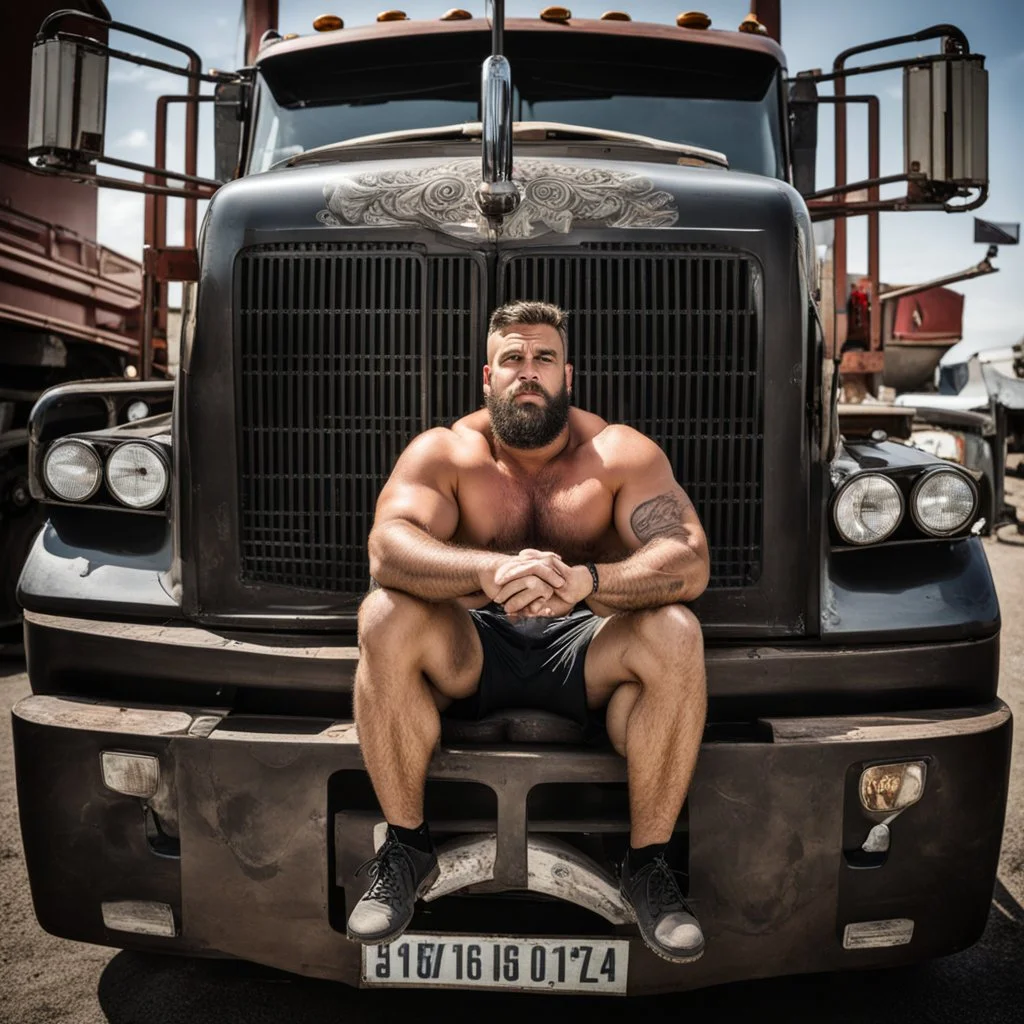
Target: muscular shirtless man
533,556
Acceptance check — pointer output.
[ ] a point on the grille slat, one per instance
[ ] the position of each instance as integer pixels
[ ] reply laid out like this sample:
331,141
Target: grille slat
346,352
676,353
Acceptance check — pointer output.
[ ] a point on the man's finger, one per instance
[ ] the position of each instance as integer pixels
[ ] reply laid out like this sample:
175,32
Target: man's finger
537,553
539,607
540,569
528,584
523,600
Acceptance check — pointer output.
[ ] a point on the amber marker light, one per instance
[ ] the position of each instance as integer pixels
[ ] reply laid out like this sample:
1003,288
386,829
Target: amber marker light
693,19
892,787
456,14
559,15
328,23
392,16
751,24
615,16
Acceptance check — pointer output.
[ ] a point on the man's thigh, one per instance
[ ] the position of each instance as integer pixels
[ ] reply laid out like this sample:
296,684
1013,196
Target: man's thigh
604,669
453,655
437,638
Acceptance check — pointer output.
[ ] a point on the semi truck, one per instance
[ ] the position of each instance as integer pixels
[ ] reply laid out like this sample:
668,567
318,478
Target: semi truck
189,772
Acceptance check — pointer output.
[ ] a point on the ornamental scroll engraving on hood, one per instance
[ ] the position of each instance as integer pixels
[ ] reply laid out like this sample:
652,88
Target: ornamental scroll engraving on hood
555,197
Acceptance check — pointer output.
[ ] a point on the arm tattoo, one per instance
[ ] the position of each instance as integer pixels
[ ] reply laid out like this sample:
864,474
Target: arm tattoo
659,517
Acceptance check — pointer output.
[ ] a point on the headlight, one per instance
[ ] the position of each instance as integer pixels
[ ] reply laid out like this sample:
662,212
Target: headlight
137,411
136,475
72,470
868,509
942,502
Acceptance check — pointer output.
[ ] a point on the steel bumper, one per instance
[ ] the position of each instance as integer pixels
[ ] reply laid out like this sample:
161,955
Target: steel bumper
257,824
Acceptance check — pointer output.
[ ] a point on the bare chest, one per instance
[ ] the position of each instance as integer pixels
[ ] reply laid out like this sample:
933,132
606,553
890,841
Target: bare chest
564,512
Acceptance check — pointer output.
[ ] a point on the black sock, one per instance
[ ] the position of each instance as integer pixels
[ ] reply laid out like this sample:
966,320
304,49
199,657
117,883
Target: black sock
640,858
418,838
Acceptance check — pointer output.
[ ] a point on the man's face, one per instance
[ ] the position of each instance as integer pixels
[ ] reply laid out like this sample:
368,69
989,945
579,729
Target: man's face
526,385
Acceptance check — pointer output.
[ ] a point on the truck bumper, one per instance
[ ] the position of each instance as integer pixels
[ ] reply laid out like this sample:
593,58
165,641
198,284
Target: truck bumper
252,837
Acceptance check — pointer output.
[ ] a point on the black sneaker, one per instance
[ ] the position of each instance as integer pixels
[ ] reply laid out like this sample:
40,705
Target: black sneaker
666,922
401,875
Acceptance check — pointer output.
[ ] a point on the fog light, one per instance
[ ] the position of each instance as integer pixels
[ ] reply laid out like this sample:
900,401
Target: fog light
131,774
139,916
137,411
892,787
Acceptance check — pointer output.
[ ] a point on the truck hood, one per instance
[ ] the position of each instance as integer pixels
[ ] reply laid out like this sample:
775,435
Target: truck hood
560,192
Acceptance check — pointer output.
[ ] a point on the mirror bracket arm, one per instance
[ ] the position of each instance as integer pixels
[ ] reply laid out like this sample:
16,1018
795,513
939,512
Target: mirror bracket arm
204,189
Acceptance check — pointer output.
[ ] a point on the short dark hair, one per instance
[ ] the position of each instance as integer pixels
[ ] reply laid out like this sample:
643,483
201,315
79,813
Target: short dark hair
528,311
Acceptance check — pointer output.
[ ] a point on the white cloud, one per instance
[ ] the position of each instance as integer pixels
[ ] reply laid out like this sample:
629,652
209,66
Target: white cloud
120,219
147,79
137,138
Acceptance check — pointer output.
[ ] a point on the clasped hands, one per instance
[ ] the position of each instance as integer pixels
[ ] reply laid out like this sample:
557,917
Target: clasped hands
536,583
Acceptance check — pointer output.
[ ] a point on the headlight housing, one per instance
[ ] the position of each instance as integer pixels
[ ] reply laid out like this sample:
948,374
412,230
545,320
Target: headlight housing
943,502
72,470
867,509
137,475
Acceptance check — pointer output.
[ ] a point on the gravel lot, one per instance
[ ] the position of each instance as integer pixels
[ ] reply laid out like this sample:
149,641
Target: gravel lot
44,980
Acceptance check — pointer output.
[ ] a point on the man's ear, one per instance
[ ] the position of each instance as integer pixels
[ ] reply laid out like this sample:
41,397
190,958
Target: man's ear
487,379
568,377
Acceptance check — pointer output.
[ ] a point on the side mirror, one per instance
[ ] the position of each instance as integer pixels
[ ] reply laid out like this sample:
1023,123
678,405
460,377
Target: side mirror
803,131
228,122
945,127
68,103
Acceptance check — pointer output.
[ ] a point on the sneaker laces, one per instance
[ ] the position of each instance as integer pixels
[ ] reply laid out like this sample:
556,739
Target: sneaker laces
389,883
663,890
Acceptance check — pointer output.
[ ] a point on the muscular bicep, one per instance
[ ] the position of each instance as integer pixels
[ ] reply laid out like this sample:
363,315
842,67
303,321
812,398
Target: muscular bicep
650,504
421,488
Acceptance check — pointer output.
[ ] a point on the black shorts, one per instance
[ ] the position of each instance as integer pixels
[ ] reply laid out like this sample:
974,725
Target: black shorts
531,663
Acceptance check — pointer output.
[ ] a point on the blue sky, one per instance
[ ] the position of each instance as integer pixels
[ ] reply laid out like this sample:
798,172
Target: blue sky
915,246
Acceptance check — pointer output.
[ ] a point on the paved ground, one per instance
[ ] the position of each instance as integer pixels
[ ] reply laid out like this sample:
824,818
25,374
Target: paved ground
44,980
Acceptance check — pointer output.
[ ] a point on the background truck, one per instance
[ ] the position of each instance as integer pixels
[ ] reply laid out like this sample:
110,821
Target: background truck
188,769
70,309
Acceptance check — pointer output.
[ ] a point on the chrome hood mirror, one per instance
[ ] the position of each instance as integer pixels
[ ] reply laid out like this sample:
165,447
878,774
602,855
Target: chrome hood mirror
497,196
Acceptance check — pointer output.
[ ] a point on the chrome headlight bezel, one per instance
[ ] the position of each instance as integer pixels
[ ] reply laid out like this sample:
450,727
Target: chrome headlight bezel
916,490
158,454
860,478
93,454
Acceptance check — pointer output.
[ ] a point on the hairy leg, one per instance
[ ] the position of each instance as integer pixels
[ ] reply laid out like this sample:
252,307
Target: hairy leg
415,656
648,667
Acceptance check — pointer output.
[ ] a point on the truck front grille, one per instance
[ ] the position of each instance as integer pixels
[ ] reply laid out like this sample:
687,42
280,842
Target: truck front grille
347,352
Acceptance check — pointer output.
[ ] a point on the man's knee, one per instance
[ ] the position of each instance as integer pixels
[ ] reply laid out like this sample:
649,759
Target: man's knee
391,620
667,642
671,628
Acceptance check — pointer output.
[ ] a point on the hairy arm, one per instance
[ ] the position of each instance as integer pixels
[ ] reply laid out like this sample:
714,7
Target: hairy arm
417,514
659,525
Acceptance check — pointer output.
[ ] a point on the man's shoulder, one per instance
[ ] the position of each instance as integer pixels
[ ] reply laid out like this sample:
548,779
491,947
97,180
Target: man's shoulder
625,452
622,442
454,444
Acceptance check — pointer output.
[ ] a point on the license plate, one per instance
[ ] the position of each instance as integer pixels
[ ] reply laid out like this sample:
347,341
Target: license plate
472,961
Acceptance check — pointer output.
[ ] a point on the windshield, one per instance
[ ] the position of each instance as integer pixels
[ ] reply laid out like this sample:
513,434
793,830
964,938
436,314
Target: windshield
724,100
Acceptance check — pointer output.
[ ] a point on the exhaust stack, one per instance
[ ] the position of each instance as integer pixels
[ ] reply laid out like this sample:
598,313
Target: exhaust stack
497,196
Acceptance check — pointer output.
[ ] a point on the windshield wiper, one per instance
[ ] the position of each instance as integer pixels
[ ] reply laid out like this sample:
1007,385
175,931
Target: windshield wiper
523,131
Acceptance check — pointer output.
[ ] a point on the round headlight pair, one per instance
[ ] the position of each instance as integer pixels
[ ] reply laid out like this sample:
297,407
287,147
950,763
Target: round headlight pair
136,474
870,506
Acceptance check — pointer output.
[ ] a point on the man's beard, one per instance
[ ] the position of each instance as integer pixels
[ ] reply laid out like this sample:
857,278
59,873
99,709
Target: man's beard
527,425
